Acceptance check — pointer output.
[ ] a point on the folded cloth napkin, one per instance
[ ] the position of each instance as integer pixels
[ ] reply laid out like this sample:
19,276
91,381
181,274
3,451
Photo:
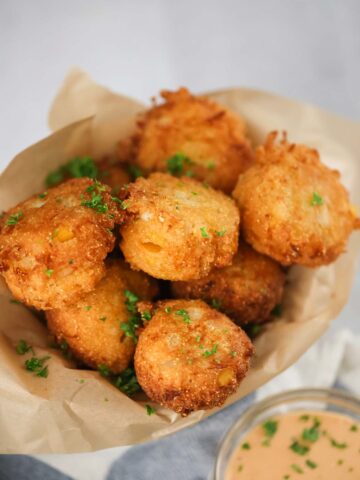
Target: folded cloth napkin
190,453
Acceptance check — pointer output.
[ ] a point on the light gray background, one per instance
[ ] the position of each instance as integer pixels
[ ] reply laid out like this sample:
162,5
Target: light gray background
305,49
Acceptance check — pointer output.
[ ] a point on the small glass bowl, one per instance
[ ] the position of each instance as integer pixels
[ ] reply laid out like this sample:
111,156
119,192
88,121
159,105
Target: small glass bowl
315,399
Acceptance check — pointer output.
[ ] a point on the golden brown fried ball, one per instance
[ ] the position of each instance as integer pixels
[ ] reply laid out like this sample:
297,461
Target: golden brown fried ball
53,245
210,141
113,173
293,208
190,356
179,229
246,291
91,328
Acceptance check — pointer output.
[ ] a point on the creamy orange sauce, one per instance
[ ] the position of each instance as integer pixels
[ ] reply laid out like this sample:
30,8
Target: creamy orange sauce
311,445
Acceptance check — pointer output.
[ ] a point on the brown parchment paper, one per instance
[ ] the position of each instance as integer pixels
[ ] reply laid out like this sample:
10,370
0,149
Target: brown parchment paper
62,413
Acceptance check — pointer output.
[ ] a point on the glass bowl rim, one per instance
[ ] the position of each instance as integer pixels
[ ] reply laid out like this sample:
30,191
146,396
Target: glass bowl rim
287,396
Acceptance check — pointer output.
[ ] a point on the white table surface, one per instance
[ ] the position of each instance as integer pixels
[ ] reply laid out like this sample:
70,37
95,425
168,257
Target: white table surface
305,49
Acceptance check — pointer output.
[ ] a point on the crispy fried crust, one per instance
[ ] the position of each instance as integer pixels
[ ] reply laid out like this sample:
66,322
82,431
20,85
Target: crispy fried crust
173,233
91,328
207,133
191,358
293,208
246,291
55,251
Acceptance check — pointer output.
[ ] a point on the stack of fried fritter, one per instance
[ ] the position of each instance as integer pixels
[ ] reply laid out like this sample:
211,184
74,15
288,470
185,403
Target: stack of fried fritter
141,262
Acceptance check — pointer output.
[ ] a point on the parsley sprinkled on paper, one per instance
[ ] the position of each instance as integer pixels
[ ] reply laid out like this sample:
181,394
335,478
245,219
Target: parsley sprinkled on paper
296,447
22,347
76,168
316,200
177,163
127,382
14,218
209,353
184,314
37,365
149,409
204,233
311,464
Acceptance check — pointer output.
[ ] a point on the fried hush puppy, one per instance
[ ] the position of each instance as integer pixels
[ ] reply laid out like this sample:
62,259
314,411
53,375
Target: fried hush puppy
91,328
190,356
178,229
194,135
246,291
53,245
293,208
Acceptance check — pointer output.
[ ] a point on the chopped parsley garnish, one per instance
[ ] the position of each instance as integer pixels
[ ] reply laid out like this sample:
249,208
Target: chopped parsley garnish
336,444
246,446
184,314
211,165
127,382
253,330
340,462
104,370
146,316
312,434
76,168
208,353
42,195
37,365
135,172
88,308
14,218
354,428
216,303
311,464
167,309
102,319
49,272
149,409
130,327
96,201
22,347
197,338
122,204
304,418
65,349
204,233
270,428
296,447
277,310
131,301
296,468
176,164
316,200
220,233
233,354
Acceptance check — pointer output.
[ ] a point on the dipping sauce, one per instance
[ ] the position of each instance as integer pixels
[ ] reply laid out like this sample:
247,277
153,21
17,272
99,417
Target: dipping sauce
309,444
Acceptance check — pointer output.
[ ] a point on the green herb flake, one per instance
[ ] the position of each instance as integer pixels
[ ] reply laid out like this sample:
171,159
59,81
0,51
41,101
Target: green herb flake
233,354
167,309
123,205
304,418
37,365
14,218
339,445
150,410
184,314
104,370
204,233
22,347
14,301
177,163
354,428
131,301
312,434
246,446
135,172
296,468
209,353
216,303
270,428
311,464
96,201
211,165
286,477
277,310
197,338
240,468
87,308
194,193
102,319
340,462
48,272
296,447
220,233
81,380
146,316
42,195
127,382
75,168
316,200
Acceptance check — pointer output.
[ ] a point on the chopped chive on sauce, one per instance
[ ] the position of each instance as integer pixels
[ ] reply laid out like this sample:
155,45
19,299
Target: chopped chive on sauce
316,200
311,464
296,447
270,428
150,410
14,218
312,434
340,445
297,468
